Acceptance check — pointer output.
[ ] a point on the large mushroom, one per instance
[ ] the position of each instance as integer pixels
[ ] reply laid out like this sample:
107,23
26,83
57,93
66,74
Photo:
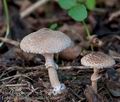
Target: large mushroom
97,61
47,42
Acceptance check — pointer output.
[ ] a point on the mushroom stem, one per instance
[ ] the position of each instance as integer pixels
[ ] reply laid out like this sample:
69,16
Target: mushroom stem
53,76
58,87
94,78
49,60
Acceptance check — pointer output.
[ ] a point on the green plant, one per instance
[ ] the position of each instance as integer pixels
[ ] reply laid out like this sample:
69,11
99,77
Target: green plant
78,10
90,4
53,26
5,7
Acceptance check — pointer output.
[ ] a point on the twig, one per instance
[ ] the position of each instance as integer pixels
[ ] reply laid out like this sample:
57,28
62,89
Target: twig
118,37
15,85
12,42
75,67
15,76
32,92
43,68
74,93
114,15
32,8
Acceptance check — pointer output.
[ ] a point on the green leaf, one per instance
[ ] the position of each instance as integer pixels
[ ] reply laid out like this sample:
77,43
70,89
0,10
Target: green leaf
67,4
53,26
78,12
90,4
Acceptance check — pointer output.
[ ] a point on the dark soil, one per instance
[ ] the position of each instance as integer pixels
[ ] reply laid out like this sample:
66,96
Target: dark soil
23,77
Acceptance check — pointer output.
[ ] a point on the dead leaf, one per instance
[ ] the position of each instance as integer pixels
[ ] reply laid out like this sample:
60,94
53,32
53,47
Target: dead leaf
71,53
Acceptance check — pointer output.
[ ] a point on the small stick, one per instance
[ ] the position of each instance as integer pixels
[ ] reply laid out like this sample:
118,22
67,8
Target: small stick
74,93
32,92
114,15
74,67
15,76
43,68
10,41
32,8
15,85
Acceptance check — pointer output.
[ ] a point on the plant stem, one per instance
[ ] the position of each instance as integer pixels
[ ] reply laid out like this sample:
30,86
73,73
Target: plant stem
88,33
7,20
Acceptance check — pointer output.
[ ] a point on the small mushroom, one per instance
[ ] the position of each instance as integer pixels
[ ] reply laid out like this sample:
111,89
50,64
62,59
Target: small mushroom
97,61
47,42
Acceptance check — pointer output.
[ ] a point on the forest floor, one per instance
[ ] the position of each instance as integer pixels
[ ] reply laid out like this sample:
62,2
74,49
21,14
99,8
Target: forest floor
23,77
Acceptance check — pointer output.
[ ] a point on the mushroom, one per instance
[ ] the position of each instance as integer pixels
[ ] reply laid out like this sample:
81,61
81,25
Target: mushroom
97,61
47,42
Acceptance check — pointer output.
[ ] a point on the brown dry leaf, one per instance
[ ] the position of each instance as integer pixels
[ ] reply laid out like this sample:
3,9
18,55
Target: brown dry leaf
71,53
91,95
75,32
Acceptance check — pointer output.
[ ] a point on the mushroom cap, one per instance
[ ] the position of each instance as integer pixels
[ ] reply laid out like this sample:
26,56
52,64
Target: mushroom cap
45,41
97,60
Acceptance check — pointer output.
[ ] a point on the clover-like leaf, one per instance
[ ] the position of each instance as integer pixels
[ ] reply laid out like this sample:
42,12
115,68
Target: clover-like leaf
78,12
67,4
90,4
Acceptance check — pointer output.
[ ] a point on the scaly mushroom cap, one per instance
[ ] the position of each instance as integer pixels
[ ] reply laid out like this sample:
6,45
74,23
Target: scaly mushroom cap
97,60
45,41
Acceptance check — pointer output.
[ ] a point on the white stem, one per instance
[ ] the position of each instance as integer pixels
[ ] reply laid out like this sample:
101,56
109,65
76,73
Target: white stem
94,85
49,60
53,77
57,86
94,78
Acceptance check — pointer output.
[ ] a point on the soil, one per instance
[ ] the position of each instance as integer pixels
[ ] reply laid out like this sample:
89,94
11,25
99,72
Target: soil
23,76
